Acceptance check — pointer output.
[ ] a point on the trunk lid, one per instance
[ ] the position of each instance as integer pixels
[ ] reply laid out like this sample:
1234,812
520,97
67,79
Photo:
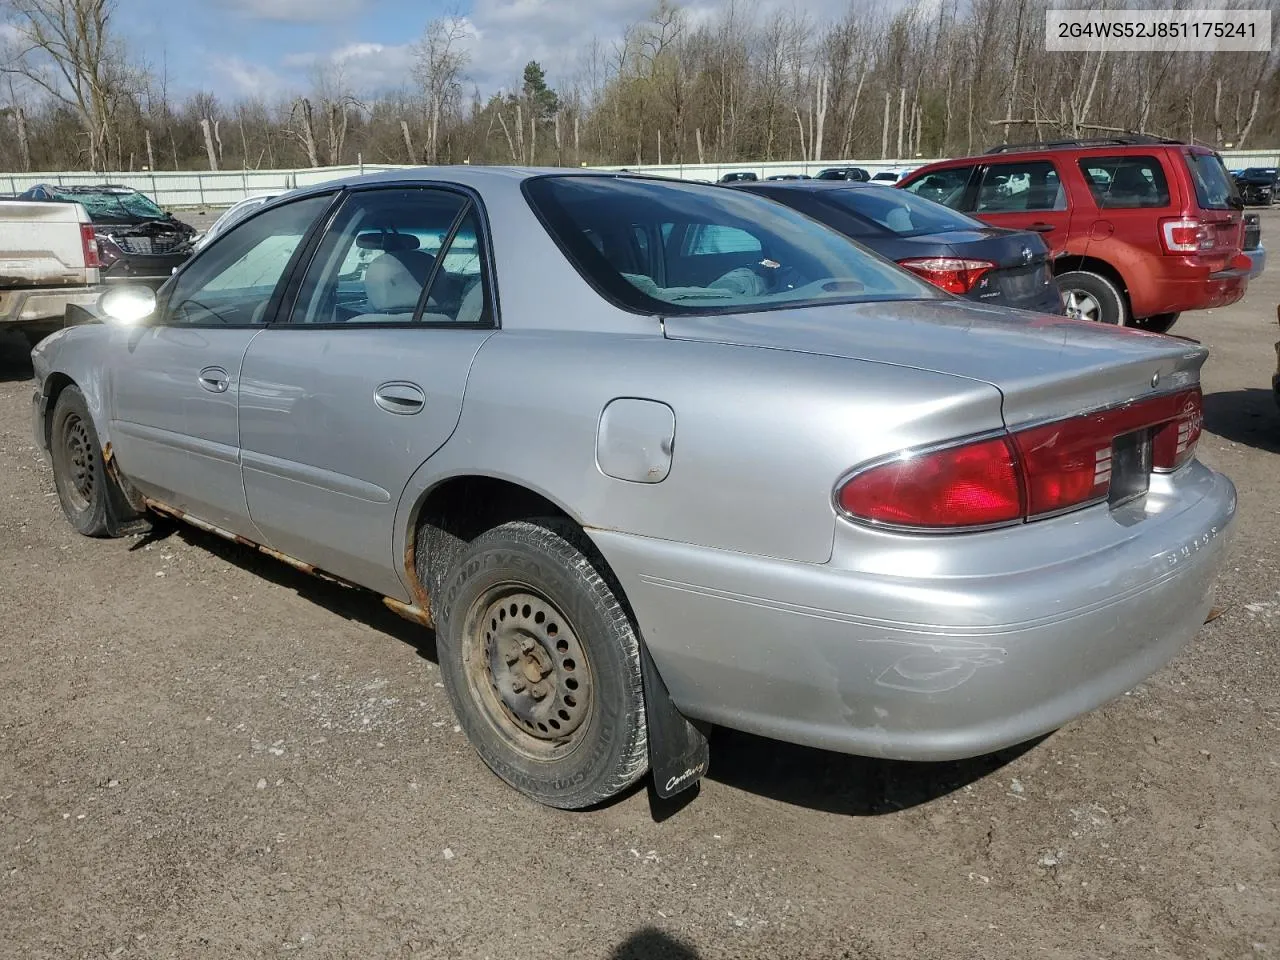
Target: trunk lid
1021,277
1044,366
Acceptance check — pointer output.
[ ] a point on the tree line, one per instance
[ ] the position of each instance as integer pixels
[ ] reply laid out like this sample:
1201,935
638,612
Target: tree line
935,78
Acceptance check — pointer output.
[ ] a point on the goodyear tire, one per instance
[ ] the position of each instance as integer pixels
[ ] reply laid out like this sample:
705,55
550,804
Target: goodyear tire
542,664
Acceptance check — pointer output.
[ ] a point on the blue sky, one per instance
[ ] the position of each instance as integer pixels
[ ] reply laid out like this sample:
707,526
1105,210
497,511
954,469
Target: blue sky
271,47
237,47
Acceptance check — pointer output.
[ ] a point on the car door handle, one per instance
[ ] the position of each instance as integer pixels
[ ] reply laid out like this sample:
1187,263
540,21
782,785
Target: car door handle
214,379
1042,227
400,397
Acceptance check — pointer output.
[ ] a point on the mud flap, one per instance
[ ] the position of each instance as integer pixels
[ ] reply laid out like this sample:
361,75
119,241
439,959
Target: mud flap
678,751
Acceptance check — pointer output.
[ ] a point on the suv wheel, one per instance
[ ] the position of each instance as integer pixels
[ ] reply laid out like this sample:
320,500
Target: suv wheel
1160,323
1091,296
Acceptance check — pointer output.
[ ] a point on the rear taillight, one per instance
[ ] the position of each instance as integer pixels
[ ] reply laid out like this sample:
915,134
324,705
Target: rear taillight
1175,442
952,274
89,243
974,485
1024,475
1186,235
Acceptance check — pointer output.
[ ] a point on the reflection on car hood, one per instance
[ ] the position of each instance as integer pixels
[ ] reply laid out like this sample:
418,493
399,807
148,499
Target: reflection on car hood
1044,365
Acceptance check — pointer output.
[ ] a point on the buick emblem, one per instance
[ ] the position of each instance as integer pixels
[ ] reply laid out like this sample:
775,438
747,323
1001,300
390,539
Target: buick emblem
1026,254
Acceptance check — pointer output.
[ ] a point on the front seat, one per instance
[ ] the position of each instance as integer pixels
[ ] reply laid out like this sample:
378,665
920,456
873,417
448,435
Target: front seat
392,283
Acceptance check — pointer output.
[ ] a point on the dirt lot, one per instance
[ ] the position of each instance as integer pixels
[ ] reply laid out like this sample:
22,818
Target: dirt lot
204,754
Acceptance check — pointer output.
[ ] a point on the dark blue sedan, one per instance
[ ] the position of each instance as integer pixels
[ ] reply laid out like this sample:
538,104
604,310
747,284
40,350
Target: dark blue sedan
957,253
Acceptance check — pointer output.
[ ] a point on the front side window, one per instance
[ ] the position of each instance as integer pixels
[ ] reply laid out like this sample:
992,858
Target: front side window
943,186
230,283
710,250
1118,182
398,256
1021,187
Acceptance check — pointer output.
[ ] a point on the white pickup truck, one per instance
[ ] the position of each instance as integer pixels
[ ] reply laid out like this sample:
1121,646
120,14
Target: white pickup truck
48,260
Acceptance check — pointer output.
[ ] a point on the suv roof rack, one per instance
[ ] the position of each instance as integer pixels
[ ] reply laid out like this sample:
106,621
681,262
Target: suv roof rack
1123,140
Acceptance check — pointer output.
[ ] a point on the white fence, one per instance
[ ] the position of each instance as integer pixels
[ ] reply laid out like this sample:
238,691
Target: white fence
198,188
219,189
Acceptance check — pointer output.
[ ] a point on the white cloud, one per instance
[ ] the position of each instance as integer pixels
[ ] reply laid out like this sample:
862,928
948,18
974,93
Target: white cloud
296,11
248,79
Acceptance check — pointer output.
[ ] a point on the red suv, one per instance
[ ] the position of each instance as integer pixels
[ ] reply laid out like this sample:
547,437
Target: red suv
1139,228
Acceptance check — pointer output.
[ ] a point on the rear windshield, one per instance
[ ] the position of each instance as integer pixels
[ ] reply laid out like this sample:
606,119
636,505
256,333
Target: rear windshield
1126,181
1214,189
666,247
898,212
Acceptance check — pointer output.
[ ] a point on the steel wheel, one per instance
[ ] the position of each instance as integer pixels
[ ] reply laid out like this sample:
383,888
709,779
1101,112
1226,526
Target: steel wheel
1080,305
80,450
528,671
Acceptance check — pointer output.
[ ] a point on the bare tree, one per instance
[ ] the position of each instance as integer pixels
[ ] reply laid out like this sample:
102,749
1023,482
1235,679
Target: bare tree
65,48
440,60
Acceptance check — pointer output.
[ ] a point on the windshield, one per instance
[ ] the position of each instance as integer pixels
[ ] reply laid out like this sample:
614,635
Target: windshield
898,212
115,204
665,248
1214,189
1260,173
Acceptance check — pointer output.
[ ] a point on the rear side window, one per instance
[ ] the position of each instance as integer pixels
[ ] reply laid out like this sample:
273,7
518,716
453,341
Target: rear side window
898,212
944,186
1214,189
1118,182
1021,187
707,250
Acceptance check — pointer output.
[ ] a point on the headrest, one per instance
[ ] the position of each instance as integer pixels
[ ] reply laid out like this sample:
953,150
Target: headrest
394,281
382,240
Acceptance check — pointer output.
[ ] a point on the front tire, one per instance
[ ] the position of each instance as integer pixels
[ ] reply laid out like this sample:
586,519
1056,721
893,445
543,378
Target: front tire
91,499
79,474
542,664
1091,296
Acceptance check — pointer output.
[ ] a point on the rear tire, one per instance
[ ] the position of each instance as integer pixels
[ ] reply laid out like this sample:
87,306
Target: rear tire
91,499
542,665
1091,296
1160,323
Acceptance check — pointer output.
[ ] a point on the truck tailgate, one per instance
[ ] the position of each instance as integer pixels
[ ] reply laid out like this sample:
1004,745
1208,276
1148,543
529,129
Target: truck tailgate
41,245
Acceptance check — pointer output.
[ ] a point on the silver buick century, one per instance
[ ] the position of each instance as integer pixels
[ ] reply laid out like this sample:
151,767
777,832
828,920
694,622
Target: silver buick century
652,456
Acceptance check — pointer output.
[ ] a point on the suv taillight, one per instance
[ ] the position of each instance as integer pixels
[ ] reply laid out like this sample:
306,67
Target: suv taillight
1186,235
952,274
89,243
1020,476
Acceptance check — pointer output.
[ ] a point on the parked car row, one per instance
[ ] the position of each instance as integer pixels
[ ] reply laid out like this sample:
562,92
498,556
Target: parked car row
653,455
1139,228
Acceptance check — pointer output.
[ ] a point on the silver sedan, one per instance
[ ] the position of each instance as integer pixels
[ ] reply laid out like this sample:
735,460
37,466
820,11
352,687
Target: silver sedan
651,456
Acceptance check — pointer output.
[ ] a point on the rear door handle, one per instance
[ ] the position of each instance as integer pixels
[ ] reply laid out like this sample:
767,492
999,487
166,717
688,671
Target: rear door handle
214,379
1042,227
400,397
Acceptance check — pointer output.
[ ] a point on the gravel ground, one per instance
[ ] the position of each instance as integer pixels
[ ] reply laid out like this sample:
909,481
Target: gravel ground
205,754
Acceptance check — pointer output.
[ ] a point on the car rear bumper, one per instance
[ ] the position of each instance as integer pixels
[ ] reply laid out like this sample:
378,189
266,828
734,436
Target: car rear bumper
43,307
919,667
1257,260
1179,284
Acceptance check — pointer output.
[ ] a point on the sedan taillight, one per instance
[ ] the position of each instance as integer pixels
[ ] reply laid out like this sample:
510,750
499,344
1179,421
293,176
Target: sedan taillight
1186,235
952,274
1023,475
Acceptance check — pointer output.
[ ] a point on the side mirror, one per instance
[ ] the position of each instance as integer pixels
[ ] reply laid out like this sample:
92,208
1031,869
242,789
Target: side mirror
127,305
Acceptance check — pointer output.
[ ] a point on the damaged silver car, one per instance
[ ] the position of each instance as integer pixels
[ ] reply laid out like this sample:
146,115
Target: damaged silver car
652,455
